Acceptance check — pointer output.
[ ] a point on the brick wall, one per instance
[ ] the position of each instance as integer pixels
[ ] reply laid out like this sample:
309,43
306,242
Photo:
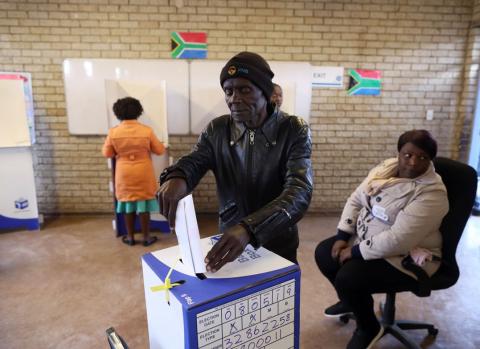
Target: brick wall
476,12
426,51
468,94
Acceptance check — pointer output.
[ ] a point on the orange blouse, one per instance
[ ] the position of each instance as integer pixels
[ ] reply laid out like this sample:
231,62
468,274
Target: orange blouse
131,143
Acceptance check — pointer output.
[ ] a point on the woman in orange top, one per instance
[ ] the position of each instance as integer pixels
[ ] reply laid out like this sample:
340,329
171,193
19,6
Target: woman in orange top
131,143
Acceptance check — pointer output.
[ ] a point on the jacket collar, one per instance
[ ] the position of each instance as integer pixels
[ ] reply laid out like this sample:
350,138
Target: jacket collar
429,177
269,128
390,166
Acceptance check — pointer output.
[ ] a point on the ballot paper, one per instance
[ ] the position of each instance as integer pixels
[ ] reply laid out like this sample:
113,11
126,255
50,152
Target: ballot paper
188,236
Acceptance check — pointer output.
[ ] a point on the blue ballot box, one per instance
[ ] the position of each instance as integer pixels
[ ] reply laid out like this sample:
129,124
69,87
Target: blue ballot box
251,303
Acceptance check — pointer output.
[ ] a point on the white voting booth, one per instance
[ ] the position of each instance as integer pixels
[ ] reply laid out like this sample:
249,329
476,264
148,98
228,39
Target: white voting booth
193,92
86,94
207,99
18,201
93,85
179,97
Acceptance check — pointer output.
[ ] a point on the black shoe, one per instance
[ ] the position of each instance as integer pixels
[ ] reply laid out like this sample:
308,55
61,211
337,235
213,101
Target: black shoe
127,241
364,340
337,310
150,241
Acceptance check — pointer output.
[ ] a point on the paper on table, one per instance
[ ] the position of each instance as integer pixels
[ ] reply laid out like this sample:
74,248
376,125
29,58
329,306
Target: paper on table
188,236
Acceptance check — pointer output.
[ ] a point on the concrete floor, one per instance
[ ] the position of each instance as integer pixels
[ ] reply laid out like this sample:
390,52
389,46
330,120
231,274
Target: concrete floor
63,286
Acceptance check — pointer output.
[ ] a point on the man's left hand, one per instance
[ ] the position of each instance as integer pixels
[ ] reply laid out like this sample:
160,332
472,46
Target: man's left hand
228,248
345,254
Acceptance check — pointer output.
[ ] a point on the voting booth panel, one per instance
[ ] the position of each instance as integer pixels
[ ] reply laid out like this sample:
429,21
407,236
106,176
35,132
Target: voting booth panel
86,95
13,117
253,302
295,78
194,94
208,100
18,204
18,200
152,96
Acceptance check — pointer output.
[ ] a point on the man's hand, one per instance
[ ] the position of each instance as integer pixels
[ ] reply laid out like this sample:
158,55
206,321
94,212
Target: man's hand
168,197
228,248
345,255
337,247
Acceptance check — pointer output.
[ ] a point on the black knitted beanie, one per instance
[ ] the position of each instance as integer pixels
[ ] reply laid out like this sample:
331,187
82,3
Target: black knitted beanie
250,66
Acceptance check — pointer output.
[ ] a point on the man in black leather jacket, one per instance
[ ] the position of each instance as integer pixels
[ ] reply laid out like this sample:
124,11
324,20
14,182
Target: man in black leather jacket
260,157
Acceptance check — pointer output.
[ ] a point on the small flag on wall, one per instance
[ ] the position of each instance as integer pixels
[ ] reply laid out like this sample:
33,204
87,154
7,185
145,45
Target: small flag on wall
364,82
189,45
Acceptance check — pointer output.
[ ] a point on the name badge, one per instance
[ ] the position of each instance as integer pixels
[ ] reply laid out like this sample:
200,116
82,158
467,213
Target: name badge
379,212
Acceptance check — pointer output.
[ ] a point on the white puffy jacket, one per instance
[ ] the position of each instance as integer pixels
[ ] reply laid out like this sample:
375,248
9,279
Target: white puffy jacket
398,218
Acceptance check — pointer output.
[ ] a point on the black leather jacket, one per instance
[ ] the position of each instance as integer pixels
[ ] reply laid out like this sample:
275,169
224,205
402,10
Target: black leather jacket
263,176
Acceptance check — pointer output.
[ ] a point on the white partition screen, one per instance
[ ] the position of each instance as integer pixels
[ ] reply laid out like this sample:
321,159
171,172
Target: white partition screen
193,92
152,96
13,114
86,96
295,78
207,99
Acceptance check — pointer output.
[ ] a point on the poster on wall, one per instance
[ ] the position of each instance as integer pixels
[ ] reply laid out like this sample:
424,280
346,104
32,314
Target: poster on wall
189,45
17,110
327,77
364,82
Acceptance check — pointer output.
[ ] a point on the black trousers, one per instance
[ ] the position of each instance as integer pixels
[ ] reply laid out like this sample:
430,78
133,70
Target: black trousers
356,280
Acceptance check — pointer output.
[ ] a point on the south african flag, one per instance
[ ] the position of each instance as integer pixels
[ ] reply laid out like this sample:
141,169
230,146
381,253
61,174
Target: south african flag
364,82
189,45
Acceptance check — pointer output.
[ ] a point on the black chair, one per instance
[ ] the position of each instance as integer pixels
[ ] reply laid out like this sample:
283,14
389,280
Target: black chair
461,183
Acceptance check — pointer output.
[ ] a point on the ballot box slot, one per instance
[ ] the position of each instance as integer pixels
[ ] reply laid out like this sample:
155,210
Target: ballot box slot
201,276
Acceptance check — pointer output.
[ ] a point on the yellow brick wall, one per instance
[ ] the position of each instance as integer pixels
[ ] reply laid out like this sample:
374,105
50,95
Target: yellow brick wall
476,12
426,50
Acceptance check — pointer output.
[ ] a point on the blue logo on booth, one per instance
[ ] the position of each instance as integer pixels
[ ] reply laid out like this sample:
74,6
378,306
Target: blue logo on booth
21,203
215,239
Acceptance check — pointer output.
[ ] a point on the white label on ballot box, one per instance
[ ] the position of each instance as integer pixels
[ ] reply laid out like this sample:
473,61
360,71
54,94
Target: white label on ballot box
261,320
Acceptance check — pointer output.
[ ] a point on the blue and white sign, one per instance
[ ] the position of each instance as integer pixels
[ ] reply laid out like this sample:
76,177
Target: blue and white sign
253,302
327,77
18,200
21,203
18,203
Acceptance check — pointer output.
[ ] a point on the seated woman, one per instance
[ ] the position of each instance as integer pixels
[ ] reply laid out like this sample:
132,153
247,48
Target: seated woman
397,209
